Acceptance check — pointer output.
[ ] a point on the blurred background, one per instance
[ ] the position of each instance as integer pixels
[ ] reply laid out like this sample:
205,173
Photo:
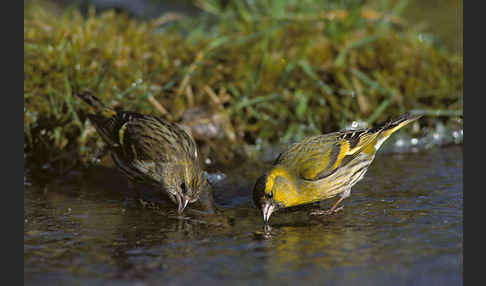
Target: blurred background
240,74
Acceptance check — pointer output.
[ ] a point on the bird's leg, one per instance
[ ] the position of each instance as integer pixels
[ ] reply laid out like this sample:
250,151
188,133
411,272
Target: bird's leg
330,211
333,209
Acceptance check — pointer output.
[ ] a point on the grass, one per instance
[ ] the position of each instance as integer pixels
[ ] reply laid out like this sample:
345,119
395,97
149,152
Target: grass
274,71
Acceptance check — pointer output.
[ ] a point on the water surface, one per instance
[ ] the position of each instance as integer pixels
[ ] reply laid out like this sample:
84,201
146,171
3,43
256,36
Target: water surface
402,225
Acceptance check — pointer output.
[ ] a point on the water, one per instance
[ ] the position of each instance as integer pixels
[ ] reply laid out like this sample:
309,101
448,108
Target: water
402,225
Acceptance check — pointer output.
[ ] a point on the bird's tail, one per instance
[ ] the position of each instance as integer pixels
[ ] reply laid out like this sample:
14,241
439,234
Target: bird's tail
96,104
386,129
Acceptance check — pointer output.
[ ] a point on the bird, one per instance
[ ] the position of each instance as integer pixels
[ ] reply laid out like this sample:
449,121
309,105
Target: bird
322,167
150,150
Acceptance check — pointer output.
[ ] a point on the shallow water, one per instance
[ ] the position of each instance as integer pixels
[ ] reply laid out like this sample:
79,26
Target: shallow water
402,225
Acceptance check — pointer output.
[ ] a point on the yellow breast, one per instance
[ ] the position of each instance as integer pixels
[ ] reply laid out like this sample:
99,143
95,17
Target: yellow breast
290,191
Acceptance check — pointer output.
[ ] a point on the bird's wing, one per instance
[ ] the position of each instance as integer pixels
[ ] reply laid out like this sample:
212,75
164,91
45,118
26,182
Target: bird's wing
149,139
148,146
320,156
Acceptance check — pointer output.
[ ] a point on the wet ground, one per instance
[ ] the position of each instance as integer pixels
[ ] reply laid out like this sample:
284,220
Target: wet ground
402,225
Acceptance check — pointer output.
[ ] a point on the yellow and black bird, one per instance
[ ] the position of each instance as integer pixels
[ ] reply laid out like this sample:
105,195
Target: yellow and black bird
321,167
151,151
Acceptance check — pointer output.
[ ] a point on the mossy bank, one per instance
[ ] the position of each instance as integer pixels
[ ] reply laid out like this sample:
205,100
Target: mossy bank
235,75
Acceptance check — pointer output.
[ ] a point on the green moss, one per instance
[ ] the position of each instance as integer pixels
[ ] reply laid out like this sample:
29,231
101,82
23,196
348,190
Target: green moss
278,70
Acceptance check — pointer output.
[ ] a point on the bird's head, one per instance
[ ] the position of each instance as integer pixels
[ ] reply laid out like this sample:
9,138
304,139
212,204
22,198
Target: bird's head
187,183
273,191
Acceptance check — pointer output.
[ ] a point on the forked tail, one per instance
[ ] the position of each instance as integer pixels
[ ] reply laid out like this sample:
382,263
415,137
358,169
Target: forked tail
386,129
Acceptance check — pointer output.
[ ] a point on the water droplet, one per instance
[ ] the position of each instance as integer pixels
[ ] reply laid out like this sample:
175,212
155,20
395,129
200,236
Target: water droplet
414,141
358,124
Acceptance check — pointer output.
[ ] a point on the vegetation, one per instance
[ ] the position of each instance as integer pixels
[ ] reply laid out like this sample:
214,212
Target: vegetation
253,71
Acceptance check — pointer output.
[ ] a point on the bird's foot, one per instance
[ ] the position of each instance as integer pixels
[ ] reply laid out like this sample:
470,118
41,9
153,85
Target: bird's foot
325,212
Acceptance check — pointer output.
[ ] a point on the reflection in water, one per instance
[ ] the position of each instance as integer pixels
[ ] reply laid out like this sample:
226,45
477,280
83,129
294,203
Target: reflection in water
313,248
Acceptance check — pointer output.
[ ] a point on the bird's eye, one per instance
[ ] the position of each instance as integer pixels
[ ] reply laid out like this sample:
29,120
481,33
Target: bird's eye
183,188
270,195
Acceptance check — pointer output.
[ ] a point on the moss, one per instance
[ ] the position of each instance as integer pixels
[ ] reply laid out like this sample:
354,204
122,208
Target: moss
278,72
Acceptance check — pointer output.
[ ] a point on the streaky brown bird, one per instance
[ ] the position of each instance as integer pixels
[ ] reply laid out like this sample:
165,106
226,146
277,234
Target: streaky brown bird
151,150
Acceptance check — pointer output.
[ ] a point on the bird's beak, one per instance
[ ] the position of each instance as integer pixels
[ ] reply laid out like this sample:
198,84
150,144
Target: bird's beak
267,211
182,203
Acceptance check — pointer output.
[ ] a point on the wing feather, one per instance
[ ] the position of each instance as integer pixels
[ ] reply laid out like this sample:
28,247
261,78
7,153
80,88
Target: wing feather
320,156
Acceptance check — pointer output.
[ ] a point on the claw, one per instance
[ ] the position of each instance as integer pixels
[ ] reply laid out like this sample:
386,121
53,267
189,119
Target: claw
326,212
